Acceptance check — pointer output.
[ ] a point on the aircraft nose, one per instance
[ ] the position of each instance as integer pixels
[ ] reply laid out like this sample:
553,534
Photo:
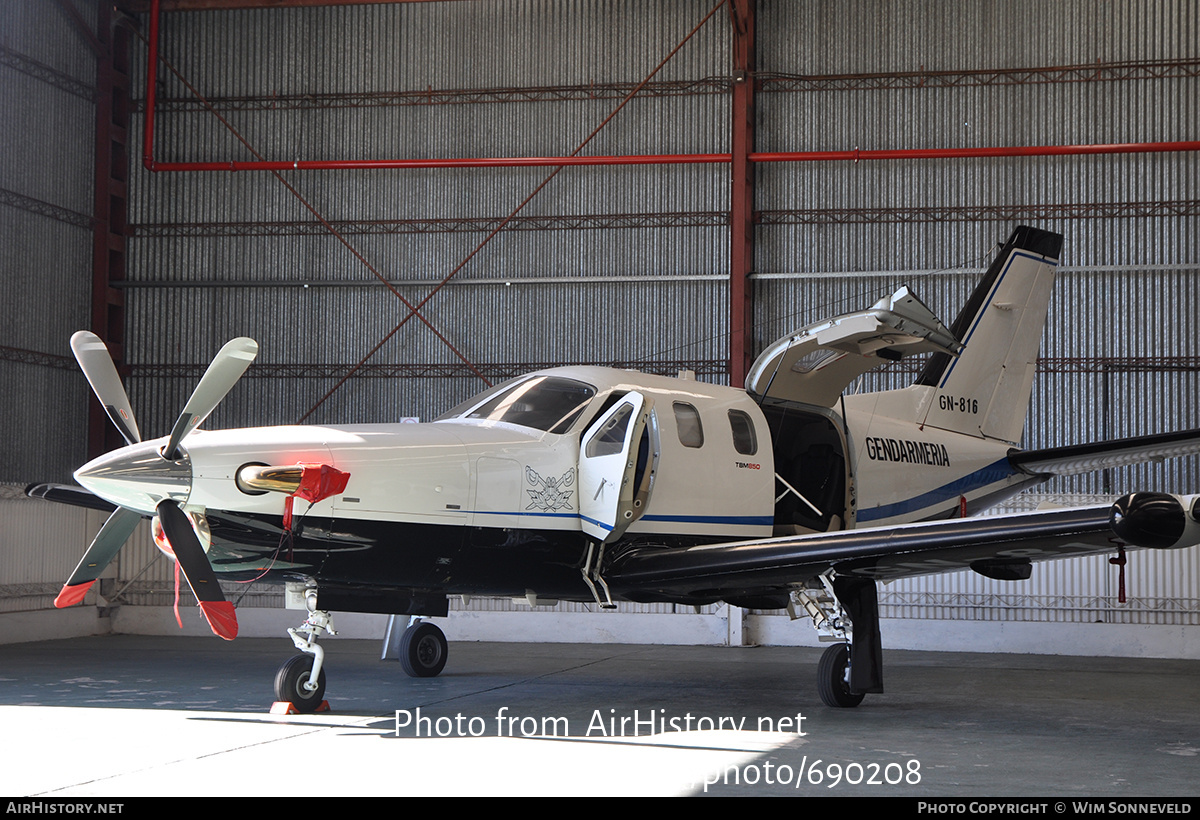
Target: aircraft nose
138,477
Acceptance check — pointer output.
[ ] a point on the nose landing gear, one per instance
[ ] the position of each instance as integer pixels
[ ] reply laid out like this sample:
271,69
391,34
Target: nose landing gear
292,683
300,681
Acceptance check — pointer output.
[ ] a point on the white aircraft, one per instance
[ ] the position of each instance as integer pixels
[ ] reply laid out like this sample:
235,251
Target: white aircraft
594,484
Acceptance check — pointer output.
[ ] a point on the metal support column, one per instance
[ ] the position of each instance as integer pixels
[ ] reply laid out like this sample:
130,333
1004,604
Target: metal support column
741,195
110,205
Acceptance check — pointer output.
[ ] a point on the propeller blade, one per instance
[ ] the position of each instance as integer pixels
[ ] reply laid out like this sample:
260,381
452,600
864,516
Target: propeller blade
199,573
101,373
226,368
112,536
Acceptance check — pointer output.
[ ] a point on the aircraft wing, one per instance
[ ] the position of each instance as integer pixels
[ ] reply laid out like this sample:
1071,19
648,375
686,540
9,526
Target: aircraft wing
1084,458
69,494
996,546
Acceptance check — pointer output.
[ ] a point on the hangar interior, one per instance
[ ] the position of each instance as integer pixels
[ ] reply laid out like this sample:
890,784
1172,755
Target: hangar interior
379,292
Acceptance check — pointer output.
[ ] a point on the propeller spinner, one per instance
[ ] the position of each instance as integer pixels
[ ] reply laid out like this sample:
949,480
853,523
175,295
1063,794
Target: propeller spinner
144,479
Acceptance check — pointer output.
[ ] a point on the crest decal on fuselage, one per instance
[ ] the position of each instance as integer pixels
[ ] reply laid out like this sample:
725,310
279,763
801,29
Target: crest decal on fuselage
550,495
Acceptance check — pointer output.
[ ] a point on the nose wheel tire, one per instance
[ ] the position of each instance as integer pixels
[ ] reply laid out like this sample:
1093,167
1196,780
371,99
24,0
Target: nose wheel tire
423,650
832,672
290,683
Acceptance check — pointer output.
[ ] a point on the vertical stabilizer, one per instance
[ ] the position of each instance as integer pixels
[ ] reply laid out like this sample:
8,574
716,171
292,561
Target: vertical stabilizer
985,391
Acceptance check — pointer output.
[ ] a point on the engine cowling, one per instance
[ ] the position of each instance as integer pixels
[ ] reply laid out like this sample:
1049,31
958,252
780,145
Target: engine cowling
1157,520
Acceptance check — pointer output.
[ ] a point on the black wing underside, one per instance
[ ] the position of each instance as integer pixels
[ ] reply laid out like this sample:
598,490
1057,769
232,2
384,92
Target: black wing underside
69,494
998,546
1002,547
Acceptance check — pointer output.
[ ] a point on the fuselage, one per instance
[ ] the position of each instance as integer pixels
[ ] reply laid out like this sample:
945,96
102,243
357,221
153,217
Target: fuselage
504,495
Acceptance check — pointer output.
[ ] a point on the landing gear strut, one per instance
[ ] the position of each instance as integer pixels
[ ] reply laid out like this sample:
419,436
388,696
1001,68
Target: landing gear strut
301,680
853,667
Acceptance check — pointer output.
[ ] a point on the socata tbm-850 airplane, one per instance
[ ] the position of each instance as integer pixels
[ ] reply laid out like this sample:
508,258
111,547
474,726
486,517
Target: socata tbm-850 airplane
594,484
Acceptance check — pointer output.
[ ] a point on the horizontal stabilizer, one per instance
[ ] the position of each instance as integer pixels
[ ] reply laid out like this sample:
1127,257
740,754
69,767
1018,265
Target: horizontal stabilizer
1102,455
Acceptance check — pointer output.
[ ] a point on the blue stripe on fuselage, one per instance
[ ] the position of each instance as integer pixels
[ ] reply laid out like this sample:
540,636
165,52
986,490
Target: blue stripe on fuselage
995,472
746,520
736,520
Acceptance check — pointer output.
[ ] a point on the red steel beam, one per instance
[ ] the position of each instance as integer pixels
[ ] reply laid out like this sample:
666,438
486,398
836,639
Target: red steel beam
741,194
151,89
854,155
857,155
741,160
110,211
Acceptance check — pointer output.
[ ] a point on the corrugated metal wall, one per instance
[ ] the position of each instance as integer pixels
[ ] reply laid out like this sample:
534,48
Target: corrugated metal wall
638,291
640,275
47,100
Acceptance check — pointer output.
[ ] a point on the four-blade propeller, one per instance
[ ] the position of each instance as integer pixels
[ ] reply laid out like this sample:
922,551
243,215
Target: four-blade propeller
226,368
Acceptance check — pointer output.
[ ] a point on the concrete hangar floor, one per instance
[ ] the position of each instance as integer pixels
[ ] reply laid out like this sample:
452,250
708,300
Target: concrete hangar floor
134,716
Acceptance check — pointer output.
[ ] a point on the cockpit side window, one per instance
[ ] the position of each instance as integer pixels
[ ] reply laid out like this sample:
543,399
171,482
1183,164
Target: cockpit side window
611,438
461,408
548,403
604,406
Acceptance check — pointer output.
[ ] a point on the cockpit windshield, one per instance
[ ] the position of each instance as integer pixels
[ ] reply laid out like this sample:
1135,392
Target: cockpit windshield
548,403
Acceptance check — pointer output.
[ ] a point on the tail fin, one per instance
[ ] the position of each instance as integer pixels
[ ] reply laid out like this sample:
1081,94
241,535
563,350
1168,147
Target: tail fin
985,391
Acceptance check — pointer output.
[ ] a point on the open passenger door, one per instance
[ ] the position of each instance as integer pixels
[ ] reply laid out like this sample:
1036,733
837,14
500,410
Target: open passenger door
609,496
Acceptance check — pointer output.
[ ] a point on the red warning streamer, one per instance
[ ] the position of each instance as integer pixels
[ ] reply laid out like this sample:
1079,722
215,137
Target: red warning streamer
317,482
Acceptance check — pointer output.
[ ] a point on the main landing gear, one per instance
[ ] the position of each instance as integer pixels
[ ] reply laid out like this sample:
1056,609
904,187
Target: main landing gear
852,667
423,649
833,678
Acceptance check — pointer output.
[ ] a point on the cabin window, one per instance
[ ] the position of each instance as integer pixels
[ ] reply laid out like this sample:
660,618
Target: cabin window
687,422
744,440
544,403
610,438
815,359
